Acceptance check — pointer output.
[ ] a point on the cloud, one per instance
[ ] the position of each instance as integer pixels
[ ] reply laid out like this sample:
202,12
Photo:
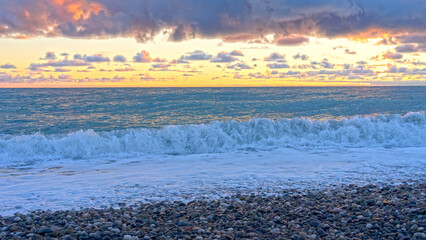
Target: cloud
77,56
196,55
302,66
61,70
291,40
179,61
412,38
59,63
275,74
407,48
231,20
387,41
8,66
278,65
159,60
125,69
391,55
142,57
161,65
338,47
61,79
396,69
223,57
324,63
419,71
346,72
244,37
94,58
347,51
119,58
408,42
50,56
291,73
236,53
239,66
301,56
275,57
146,77
259,75
407,71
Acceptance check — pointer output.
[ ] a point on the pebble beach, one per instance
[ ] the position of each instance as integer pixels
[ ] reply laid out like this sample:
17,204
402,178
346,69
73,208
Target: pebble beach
342,212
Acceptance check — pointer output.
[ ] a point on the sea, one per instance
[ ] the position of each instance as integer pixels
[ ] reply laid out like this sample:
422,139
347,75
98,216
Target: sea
106,147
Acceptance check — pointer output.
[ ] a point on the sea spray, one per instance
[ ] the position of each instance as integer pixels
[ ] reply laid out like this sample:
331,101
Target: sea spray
257,134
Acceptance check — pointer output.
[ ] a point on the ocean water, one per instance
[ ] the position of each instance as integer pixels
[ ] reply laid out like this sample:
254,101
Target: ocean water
71,148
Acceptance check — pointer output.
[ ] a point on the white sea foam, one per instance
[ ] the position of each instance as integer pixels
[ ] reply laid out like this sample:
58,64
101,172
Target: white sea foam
218,137
81,183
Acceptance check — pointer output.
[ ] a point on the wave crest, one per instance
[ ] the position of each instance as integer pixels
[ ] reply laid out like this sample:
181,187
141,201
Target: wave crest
260,134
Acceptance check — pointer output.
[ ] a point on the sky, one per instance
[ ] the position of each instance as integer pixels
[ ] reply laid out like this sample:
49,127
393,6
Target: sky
212,43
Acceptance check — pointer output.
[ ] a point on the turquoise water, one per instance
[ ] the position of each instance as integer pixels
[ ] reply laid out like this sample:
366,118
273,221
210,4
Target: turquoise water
52,111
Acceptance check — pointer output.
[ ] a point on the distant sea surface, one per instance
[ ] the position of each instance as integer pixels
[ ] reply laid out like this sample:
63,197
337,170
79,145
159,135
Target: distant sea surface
51,111
63,148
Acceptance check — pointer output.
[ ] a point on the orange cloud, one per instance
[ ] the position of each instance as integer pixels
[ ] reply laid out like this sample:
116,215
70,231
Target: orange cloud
78,8
375,32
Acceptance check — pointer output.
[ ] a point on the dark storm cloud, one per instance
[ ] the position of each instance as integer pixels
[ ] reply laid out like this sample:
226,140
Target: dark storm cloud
231,20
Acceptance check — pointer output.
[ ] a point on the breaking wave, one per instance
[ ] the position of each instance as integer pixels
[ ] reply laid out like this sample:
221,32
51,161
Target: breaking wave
257,134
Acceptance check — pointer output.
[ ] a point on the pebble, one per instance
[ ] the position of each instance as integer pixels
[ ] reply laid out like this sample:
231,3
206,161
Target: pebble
43,230
355,212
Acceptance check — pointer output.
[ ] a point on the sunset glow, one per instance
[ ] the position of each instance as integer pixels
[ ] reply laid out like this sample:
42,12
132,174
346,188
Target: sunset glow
90,43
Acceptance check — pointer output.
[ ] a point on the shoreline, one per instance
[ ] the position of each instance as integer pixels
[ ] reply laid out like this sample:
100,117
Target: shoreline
343,212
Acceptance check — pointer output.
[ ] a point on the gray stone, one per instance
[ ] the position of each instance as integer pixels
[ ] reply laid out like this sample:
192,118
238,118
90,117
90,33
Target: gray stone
127,237
183,223
44,231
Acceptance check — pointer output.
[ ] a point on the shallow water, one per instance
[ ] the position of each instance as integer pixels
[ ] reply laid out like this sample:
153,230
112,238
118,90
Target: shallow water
71,148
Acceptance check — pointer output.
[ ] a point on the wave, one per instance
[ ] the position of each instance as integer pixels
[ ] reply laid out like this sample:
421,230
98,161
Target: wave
257,134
